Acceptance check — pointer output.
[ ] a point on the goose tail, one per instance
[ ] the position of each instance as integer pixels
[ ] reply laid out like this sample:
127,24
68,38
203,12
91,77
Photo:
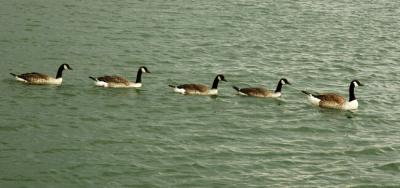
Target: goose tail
93,78
13,74
306,92
172,86
236,88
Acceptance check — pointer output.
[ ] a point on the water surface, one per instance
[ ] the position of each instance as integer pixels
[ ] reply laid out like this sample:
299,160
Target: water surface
78,135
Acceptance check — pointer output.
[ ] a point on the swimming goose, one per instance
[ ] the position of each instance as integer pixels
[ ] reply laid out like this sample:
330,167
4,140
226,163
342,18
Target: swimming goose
42,79
199,89
120,82
261,92
332,100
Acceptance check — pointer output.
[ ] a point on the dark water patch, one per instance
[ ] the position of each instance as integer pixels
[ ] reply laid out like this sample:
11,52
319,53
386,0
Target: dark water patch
369,151
5,41
307,130
58,150
390,167
17,179
16,128
91,119
108,142
373,185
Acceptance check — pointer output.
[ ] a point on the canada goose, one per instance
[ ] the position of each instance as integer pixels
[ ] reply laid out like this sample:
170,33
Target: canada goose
332,100
120,82
261,92
199,89
42,79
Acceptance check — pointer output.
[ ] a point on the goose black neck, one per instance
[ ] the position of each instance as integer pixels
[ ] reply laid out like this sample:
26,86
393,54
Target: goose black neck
59,72
139,76
278,87
352,96
215,83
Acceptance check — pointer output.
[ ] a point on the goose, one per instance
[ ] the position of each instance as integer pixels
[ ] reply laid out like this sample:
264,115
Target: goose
42,79
199,89
261,92
120,82
332,100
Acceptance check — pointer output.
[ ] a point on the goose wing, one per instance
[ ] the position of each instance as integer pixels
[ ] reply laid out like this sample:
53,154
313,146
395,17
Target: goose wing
33,76
114,79
194,87
331,100
331,97
255,91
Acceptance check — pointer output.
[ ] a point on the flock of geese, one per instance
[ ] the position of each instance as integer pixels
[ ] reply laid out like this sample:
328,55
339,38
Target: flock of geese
327,100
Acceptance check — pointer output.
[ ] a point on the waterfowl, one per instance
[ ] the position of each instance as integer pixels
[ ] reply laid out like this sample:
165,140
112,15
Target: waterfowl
332,100
261,92
199,89
42,79
120,82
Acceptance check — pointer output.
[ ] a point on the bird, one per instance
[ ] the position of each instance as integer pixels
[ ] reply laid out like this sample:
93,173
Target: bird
199,89
120,82
42,79
335,101
262,92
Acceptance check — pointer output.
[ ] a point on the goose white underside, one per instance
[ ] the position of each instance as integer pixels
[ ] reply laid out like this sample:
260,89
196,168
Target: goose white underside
315,101
57,81
244,94
179,90
20,79
50,81
183,91
273,95
352,105
276,94
101,84
117,85
213,92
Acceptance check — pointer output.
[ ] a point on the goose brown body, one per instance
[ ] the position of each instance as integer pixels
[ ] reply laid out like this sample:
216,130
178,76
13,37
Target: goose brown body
115,81
262,92
331,100
256,92
42,79
194,88
335,101
199,89
34,77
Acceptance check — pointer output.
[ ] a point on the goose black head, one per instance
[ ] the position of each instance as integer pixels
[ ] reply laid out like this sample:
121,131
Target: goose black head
356,83
66,67
61,69
144,69
285,81
221,77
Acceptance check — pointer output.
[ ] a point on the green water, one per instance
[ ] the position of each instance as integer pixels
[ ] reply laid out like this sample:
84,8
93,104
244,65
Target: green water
79,135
